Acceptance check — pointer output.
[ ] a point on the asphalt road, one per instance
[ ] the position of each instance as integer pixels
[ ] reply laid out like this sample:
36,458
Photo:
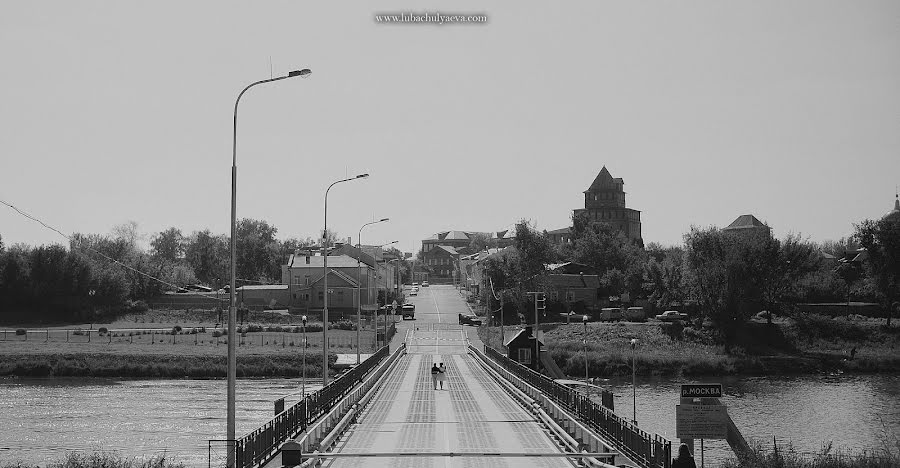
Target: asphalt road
472,413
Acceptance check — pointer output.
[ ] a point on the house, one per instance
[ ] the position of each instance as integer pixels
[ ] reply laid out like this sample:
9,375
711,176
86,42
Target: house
263,296
575,289
521,348
747,226
560,236
441,260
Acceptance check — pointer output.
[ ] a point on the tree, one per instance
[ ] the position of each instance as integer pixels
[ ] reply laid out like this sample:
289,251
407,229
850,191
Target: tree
663,276
1,243
481,241
881,239
168,244
257,251
209,256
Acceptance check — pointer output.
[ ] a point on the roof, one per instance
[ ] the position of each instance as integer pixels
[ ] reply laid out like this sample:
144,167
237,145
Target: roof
353,252
604,180
565,230
569,268
747,221
262,287
456,235
339,274
895,212
575,281
525,330
318,261
447,248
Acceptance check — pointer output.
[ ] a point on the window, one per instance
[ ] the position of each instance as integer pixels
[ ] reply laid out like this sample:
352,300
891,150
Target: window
321,296
524,356
307,280
570,296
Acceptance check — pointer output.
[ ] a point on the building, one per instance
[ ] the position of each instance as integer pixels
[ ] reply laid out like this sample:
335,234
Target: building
747,225
441,260
521,348
604,202
455,239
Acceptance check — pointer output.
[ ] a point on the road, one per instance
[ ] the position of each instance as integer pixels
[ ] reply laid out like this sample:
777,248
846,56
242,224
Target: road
473,414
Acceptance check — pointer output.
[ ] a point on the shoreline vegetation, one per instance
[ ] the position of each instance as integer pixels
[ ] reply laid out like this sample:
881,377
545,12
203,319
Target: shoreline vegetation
805,345
100,459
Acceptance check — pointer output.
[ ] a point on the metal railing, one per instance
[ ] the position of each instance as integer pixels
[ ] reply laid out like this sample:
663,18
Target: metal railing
650,451
257,446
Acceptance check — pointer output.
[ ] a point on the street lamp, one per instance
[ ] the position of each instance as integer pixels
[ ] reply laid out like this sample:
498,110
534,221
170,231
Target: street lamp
303,381
584,319
325,281
633,387
232,311
359,282
385,302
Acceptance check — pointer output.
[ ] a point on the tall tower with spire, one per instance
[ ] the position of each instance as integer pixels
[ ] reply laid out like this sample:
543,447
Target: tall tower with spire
604,202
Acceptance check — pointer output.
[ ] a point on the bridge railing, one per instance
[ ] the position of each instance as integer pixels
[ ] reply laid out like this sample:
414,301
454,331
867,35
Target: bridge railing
258,445
642,448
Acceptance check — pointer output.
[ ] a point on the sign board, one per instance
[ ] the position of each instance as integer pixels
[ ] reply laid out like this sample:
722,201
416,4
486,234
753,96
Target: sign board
701,421
701,391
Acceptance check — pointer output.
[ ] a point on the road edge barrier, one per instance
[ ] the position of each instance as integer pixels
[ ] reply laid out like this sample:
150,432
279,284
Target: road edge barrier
570,406
260,445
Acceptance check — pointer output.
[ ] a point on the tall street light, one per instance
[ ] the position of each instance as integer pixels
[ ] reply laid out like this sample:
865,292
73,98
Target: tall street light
232,311
325,280
359,282
584,319
633,386
385,301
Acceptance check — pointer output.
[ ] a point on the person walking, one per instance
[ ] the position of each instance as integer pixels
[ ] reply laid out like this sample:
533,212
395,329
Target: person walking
442,375
684,458
434,374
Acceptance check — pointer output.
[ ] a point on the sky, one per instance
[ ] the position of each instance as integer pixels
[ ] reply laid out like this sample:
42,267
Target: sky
122,111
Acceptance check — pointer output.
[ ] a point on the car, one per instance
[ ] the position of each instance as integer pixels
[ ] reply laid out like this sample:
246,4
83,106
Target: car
469,319
408,311
671,316
415,285
424,284
413,292
610,314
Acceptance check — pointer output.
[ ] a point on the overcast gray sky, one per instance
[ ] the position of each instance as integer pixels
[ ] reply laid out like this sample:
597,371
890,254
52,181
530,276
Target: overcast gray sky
117,111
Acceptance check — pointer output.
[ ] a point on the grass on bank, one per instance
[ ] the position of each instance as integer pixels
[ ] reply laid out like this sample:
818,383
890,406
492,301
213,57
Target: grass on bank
101,460
807,344
159,366
786,457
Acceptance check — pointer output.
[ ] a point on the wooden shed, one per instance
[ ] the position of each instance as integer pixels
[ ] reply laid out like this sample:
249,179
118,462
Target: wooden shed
520,348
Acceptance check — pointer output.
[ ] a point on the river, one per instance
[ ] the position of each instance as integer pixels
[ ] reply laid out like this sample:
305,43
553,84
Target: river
853,412
43,418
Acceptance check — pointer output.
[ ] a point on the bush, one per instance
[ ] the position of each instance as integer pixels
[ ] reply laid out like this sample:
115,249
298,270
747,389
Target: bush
102,330
77,331
20,332
343,325
217,333
176,329
136,307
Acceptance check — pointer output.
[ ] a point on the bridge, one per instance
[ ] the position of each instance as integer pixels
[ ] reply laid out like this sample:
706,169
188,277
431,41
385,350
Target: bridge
492,411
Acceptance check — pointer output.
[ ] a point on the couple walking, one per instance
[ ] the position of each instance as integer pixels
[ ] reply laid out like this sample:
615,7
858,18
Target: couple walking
438,375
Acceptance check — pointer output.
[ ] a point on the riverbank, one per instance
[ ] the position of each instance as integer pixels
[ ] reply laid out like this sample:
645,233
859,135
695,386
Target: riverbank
101,460
809,345
159,365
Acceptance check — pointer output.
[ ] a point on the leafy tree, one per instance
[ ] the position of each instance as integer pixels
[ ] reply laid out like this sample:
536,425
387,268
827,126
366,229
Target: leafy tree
481,241
605,248
663,276
881,239
209,256
1,243
256,250
168,244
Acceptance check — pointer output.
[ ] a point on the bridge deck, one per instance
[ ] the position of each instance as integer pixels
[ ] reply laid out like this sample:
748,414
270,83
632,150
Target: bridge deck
472,414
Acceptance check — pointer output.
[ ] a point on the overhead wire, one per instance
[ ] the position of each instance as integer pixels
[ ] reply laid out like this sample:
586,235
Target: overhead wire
71,239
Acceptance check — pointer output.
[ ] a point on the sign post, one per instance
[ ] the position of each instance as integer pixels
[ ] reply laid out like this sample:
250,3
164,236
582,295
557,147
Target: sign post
700,415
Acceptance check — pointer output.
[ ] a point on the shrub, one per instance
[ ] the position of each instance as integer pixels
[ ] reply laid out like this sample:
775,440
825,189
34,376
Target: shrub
102,330
216,333
77,331
20,332
176,329
136,307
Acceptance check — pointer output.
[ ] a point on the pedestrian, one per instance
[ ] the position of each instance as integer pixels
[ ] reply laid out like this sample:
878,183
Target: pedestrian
684,459
434,374
853,353
442,376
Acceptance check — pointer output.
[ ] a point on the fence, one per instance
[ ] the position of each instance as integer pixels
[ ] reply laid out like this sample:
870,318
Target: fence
257,446
639,446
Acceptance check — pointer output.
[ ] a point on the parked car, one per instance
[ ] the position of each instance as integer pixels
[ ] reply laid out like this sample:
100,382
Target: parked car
671,316
635,314
408,311
469,319
415,285
424,284
414,292
609,314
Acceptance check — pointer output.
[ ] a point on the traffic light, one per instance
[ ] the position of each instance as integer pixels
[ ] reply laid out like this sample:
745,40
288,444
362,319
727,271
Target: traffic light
540,303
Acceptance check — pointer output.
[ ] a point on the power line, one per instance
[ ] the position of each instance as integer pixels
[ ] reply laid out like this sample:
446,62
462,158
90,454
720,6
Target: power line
79,244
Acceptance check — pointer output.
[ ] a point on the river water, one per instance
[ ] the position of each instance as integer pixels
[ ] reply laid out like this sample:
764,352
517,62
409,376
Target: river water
40,419
853,412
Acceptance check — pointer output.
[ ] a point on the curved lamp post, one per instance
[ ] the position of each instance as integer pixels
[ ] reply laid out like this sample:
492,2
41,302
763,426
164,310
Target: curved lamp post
232,311
359,282
303,380
325,281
